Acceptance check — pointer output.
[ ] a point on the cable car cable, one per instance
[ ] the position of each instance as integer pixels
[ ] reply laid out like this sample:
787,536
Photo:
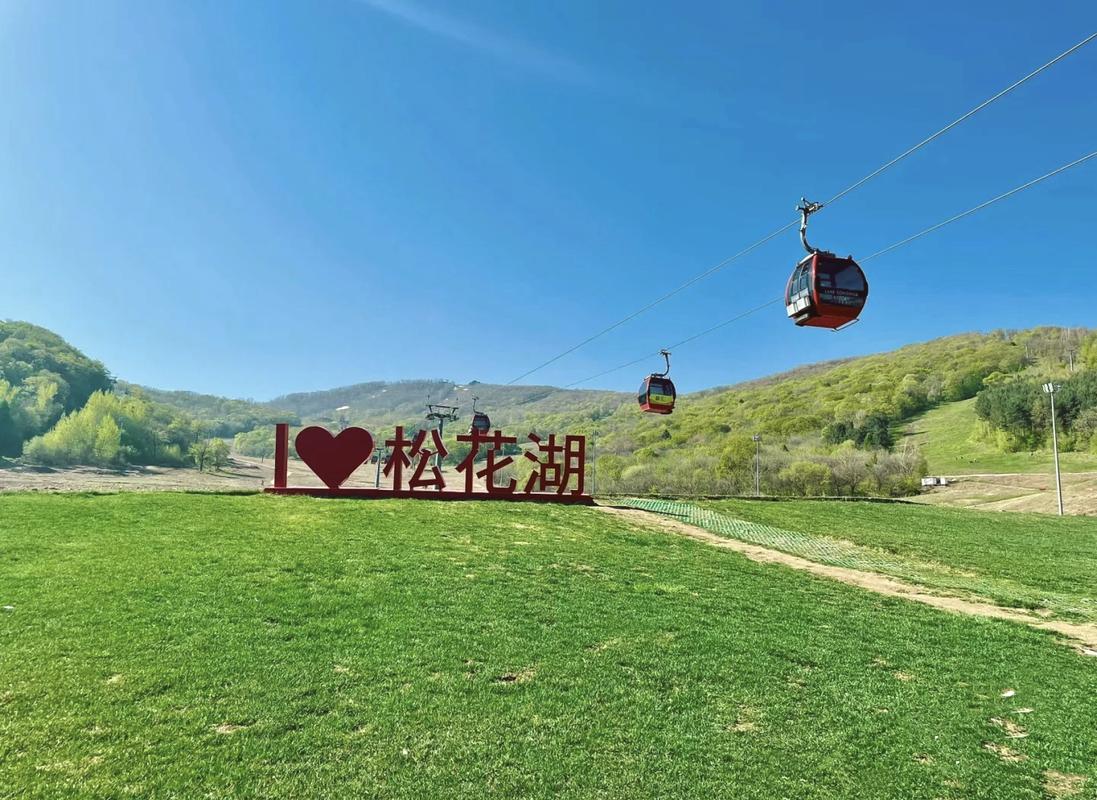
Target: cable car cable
981,206
852,187
881,252
959,120
685,341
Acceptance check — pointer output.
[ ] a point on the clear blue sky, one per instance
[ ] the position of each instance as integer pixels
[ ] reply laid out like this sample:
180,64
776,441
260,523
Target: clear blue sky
249,198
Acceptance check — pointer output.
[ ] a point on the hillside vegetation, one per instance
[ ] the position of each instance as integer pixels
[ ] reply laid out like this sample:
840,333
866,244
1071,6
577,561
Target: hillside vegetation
113,430
59,407
829,428
825,428
823,431
41,377
382,405
220,416
177,646
955,441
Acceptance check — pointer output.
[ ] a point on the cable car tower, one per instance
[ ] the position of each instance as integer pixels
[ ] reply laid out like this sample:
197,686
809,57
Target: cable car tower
441,414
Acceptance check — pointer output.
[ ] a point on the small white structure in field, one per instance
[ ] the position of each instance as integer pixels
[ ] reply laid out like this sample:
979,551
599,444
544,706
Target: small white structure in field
934,480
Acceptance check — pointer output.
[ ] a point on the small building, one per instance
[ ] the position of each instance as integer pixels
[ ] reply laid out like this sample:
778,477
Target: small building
934,480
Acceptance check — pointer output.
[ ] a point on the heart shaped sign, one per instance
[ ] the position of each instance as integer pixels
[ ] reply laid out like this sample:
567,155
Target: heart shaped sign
334,458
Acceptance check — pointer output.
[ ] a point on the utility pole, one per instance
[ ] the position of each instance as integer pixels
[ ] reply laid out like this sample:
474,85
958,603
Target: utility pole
1050,389
757,465
1070,355
593,467
441,414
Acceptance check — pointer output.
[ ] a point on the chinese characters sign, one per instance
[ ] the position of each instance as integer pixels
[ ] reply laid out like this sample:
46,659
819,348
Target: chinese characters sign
557,465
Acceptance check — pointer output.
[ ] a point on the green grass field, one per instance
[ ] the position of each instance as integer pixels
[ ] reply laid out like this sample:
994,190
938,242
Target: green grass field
1033,560
181,646
945,436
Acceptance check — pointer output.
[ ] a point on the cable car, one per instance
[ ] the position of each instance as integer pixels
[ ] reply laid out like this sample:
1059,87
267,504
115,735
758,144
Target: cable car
825,290
656,394
481,423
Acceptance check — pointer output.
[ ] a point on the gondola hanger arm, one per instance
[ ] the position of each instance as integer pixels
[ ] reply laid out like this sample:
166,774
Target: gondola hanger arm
807,208
666,356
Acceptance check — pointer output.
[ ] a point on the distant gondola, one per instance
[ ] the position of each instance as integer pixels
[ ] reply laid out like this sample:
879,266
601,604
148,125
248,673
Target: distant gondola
825,290
656,394
481,423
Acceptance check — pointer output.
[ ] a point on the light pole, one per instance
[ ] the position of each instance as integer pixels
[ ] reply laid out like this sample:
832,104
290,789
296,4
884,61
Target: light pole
757,465
1050,389
343,421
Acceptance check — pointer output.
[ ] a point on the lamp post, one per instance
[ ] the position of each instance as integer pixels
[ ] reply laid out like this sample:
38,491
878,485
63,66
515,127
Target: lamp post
1050,389
757,465
343,421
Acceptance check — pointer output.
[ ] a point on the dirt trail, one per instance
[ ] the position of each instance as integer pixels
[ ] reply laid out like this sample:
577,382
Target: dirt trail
1080,636
1027,492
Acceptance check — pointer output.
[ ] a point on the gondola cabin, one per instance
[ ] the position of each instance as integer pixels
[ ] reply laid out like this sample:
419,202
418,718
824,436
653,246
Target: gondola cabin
656,395
481,423
826,291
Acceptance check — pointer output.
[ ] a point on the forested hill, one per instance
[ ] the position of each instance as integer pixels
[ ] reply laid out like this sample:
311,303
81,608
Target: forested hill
382,404
41,377
810,418
223,416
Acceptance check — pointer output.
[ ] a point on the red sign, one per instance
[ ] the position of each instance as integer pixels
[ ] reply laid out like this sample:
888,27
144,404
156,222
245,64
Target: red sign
557,474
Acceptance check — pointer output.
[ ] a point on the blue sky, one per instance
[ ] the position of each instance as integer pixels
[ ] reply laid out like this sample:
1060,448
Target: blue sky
250,198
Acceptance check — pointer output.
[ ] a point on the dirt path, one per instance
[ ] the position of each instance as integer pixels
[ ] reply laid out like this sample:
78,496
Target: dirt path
1027,492
1081,637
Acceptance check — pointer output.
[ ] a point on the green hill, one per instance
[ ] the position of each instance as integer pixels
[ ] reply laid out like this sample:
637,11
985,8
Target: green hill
222,416
807,418
41,377
381,404
950,439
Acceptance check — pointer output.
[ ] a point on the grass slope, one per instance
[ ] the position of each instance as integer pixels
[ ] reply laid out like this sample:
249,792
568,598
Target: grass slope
247,646
1016,559
946,437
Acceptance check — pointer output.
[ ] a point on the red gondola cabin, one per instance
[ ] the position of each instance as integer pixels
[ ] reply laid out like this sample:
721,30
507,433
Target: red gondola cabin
825,291
481,422
656,394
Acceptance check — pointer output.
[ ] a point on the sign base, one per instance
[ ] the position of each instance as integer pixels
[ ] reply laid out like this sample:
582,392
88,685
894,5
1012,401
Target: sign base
427,494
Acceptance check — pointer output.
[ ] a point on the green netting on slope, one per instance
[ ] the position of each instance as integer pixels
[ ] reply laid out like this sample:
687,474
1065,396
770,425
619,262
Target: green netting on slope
835,552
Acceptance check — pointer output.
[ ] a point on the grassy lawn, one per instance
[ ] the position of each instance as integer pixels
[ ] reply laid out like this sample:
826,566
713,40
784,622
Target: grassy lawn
172,645
945,437
1010,556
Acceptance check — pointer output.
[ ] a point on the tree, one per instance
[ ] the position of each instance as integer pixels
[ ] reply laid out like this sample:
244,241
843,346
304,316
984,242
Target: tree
218,453
806,478
737,456
849,469
876,431
199,453
10,440
108,441
136,433
1088,351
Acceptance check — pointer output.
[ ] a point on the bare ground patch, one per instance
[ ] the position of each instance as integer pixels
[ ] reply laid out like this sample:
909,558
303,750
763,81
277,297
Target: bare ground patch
1061,784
